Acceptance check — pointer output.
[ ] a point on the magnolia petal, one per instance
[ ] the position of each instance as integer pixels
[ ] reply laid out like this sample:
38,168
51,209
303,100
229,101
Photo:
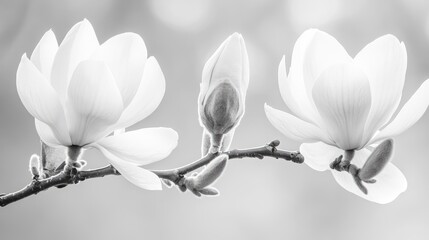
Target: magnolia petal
295,128
136,175
125,54
384,62
141,146
40,99
343,98
319,155
208,70
292,87
94,102
288,92
44,53
78,45
148,96
410,113
233,64
46,134
322,52
389,183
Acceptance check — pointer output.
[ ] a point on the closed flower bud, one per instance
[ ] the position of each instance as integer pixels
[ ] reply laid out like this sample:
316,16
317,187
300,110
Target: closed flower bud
377,160
167,183
208,175
223,89
34,165
209,191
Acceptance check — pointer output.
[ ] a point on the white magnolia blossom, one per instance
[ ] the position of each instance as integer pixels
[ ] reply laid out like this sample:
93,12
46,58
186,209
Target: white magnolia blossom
341,103
80,92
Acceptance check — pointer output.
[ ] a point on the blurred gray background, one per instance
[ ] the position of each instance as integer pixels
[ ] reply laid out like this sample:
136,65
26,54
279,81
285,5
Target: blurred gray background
260,199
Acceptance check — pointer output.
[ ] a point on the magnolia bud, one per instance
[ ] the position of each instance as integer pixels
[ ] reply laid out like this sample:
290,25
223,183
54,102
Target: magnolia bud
34,165
208,175
377,160
209,191
223,89
167,183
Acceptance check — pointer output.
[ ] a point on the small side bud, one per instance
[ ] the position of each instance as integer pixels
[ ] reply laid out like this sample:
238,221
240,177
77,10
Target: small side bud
377,160
167,182
34,165
209,191
208,175
79,164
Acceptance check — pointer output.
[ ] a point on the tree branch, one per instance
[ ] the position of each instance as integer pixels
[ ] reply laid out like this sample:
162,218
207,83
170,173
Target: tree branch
74,176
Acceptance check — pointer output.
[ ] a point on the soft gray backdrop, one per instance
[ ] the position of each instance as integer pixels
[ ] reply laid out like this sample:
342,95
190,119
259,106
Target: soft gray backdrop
268,199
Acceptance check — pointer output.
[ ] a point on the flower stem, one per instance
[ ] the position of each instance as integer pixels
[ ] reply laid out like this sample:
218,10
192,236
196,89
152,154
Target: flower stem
74,176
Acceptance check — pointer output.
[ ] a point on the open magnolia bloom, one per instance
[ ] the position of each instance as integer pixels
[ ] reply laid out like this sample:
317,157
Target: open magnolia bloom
221,101
341,103
81,91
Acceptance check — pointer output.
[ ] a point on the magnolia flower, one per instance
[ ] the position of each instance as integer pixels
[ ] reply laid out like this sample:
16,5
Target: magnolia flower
223,92
80,92
341,103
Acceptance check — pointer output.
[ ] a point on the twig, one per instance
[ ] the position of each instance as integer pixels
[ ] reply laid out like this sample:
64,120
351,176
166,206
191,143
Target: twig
65,178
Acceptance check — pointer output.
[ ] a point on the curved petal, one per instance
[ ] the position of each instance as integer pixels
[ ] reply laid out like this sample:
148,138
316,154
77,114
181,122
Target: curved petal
410,113
343,98
44,53
141,146
389,183
125,54
78,45
384,62
94,102
292,87
46,133
208,69
40,99
233,64
148,96
136,175
294,127
319,155
322,52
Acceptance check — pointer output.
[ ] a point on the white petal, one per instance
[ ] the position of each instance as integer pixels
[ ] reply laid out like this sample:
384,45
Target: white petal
40,99
46,133
410,113
288,92
136,175
294,127
390,182
319,155
208,70
148,96
384,62
343,98
94,102
141,146
44,53
232,63
292,87
125,54
322,52
78,45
